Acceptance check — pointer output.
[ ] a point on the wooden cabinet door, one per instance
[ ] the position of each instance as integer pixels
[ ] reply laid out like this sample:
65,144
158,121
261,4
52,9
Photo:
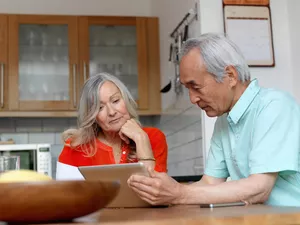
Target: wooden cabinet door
3,62
117,45
43,63
153,56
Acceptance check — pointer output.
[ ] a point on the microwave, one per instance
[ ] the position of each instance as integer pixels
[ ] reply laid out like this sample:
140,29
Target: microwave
35,157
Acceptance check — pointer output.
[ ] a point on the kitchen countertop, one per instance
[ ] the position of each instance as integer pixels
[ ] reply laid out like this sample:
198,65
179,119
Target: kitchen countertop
193,214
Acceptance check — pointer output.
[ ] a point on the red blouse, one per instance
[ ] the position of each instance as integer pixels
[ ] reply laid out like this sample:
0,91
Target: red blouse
104,154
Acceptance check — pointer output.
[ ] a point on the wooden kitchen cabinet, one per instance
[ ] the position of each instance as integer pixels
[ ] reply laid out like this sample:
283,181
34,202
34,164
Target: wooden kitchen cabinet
3,62
126,47
46,59
43,63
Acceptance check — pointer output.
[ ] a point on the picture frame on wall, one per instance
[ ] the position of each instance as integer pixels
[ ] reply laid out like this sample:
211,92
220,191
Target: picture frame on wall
250,28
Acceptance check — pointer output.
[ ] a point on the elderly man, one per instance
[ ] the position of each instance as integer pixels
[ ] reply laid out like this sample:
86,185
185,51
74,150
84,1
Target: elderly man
256,138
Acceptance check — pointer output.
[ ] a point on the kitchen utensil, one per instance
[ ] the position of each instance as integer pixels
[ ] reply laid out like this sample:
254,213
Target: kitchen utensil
177,84
171,52
166,88
36,202
185,33
179,42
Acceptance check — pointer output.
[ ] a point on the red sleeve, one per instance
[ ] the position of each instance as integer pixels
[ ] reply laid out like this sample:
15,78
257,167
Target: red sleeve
71,156
67,156
159,147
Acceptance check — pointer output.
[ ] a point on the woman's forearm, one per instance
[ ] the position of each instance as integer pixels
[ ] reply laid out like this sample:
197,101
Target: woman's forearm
144,151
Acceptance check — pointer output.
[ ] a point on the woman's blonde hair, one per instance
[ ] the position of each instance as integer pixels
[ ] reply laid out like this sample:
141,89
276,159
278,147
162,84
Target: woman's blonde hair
85,135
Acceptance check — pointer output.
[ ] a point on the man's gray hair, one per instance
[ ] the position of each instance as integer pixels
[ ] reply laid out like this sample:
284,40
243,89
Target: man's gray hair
218,52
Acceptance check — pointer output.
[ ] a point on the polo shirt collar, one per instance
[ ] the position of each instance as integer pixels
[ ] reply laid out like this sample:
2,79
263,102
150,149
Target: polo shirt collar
244,101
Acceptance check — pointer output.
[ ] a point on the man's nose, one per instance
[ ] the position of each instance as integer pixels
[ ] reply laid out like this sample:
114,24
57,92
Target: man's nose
193,97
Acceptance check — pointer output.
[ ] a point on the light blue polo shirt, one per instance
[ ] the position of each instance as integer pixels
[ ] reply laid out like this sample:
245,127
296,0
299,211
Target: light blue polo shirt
261,134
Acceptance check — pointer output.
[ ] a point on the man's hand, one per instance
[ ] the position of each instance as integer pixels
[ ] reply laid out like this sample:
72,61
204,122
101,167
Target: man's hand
157,189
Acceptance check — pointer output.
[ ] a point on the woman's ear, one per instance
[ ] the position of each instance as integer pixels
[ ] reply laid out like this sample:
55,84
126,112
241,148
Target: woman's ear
232,74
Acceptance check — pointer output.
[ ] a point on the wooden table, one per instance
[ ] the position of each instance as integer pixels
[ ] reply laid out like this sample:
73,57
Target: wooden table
190,215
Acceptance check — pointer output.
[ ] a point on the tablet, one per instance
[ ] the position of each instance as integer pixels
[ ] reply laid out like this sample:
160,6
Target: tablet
126,198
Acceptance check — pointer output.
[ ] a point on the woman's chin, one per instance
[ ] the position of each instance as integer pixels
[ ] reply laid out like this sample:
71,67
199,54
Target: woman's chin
116,127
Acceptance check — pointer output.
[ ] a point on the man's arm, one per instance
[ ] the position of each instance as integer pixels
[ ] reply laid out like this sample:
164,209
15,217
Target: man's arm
208,180
254,189
159,188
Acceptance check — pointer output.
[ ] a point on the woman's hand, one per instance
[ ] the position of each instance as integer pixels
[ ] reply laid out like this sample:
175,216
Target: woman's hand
131,130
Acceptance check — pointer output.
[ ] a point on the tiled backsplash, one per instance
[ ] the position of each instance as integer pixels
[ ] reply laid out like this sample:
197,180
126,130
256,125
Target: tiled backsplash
37,130
182,129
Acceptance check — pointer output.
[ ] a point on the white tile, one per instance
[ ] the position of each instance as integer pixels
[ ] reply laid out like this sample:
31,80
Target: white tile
183,101
181,121
58,138
186,135
56,150
149,121
165,118
175,140
186,152
38,138
186,168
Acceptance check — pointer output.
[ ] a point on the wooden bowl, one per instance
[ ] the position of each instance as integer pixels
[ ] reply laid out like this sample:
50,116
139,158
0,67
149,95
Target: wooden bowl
53,200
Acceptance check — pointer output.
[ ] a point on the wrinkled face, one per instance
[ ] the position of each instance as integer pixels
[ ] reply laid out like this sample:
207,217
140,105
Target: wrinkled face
113,112
215,98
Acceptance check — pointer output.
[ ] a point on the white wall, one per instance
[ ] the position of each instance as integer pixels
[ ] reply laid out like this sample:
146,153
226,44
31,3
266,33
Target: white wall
280,76
294,18
170,13
77,7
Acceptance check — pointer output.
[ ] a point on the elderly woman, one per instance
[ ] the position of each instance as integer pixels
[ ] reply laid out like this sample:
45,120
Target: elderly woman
109,131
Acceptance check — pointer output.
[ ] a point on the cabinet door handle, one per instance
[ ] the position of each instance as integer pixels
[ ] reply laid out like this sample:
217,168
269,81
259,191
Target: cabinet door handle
74,86
84,72
2,85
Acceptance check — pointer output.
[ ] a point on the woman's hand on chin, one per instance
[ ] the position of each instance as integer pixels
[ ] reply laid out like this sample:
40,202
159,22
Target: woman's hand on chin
131,130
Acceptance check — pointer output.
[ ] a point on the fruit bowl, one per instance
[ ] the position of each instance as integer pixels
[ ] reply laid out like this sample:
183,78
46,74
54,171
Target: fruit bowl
48,201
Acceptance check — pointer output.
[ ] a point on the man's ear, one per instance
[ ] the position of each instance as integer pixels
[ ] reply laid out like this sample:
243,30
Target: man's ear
232,74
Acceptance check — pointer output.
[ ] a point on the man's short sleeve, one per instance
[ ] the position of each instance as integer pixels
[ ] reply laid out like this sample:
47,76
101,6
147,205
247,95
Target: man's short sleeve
216,164
276,138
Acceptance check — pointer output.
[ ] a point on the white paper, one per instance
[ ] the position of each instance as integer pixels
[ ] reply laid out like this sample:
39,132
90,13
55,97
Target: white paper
67,172
252,36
